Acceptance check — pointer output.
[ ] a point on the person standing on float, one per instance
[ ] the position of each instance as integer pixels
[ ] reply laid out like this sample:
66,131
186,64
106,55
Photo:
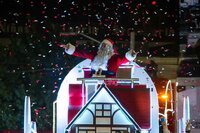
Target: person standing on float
105,61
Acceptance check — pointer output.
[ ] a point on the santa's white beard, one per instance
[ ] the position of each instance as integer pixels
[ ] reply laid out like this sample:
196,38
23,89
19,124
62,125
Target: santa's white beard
101,60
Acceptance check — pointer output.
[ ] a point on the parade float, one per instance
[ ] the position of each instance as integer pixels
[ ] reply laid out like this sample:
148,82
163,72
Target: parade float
127,103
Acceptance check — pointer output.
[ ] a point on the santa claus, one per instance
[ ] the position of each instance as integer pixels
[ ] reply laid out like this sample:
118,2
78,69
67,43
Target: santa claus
105,61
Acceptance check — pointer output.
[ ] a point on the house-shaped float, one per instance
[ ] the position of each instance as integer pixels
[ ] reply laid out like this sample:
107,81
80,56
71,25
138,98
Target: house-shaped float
118,109
106,105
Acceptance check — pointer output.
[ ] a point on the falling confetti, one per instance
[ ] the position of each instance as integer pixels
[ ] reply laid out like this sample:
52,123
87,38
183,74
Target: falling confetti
39,65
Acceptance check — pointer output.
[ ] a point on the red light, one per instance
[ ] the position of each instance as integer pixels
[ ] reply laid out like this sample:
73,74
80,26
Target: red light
153,2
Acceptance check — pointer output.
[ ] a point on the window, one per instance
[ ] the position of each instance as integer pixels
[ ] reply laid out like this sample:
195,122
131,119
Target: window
98,106
103,110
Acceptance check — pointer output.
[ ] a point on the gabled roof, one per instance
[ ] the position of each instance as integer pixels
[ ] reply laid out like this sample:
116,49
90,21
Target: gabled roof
114,98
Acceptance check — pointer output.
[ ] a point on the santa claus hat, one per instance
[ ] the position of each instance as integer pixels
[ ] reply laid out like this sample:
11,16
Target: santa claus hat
108,41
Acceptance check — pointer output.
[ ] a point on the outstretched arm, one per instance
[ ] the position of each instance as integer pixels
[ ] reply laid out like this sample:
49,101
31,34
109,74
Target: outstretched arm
69,48
131,55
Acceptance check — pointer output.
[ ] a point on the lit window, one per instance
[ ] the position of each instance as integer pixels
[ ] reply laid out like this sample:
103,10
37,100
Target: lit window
107,106
106,113
98,106
98,113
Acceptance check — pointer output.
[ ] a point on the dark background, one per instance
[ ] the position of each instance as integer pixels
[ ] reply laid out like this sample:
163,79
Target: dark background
32,64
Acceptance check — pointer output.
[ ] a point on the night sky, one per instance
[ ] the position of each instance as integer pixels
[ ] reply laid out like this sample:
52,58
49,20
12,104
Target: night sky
32,64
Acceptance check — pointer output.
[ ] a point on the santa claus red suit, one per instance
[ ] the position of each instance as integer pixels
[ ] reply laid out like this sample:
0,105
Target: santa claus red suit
104,59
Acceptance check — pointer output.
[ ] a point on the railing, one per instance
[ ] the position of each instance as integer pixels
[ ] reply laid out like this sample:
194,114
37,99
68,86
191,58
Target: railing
102,79
95,81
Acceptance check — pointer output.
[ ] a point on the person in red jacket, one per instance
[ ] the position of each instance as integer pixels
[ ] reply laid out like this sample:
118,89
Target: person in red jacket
105,61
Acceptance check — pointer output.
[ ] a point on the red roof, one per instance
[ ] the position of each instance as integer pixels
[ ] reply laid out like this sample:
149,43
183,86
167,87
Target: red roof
136,101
